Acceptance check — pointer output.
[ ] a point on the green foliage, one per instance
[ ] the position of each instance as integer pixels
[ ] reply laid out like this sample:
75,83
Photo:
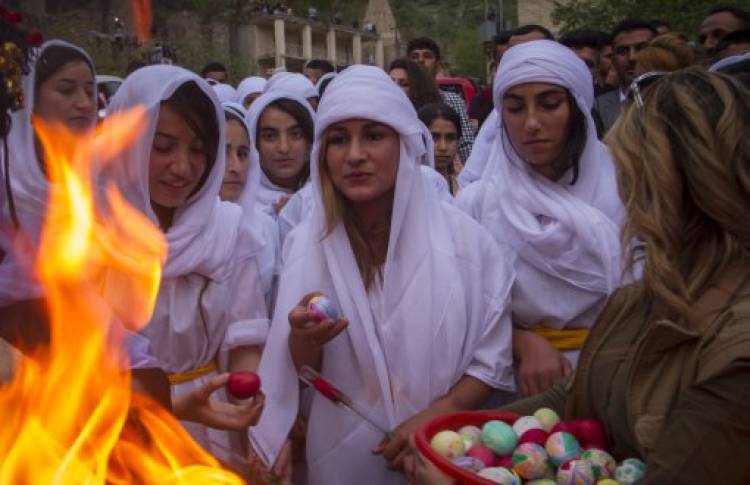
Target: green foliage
684,15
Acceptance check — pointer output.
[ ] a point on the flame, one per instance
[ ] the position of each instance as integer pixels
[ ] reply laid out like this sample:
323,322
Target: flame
68,416
142,14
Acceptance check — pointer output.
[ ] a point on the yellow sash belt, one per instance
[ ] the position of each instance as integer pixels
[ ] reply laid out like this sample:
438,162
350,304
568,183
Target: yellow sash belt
190,375
563,339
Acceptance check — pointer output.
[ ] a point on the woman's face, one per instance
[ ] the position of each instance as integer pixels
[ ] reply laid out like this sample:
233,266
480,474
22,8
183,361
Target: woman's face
445,137
68,97
178,160
283,149
362,158
536,116
401,78
238,161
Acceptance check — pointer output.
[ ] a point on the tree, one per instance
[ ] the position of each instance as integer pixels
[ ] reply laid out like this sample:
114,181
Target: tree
684,15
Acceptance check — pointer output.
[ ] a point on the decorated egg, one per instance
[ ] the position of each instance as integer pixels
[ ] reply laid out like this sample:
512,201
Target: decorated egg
590,433
608,481
500,475
483,454
448,444
575,472
538,436
471,435
243,384
547,417
323,308
601,463
630,471
542,481
565,426
526,423
530,461
469,463
562,447
499,437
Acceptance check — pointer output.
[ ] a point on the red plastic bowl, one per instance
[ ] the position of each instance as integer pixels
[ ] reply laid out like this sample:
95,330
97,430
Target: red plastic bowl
454,422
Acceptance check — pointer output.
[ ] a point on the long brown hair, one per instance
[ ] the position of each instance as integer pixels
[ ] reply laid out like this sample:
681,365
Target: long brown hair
683,164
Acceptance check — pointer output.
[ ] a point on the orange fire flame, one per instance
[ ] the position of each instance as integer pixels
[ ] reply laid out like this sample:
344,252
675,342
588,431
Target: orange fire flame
68,415
142,15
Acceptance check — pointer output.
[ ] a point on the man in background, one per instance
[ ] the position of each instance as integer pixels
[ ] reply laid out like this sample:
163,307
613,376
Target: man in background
316,68
426,53
214,72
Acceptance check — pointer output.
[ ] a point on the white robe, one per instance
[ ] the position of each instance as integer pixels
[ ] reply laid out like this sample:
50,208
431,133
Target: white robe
269,194
210,299
444,311
249,85
30,189
566,236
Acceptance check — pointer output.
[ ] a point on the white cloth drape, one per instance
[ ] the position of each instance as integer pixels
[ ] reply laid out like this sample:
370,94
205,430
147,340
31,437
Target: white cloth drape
442,313
210,299
566,235
250,85
268,193
292,83
225,92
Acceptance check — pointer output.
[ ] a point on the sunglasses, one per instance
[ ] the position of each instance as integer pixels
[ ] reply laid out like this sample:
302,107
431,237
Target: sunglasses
639,85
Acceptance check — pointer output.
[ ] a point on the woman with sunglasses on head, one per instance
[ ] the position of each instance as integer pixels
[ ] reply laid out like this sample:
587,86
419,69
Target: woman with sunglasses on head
421,289
210,314
667,365
551,196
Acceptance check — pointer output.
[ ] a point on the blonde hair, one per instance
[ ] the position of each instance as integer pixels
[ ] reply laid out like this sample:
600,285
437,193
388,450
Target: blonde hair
683,164
337,209
666,52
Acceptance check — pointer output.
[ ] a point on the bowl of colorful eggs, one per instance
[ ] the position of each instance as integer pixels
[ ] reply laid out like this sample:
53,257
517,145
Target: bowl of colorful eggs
496,447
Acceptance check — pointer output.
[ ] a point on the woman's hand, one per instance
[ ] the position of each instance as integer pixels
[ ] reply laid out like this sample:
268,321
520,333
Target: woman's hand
395,448
420,471
541,364
197,406
308,335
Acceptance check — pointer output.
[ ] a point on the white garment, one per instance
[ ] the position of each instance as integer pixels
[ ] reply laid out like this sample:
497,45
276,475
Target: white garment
224,92
264,226
293,83
477,166
269,194
248,86
445,293
210,299
29,186
566,236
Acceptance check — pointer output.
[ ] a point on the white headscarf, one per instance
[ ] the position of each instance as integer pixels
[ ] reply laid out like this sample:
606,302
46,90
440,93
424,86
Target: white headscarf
566,236
393,359
204,231
269,193
323,78
29,184
30,188
261,224
250,85
291,82
477,166
224,92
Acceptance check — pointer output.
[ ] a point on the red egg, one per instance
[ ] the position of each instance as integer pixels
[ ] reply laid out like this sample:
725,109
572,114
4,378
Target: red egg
567,427
243,384
590,433
483,454
538,436
505,462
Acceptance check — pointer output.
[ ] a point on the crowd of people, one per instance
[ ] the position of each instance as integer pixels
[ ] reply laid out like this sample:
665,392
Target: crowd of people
577,238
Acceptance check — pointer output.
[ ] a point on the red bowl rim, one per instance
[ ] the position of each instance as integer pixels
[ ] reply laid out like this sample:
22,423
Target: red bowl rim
454,422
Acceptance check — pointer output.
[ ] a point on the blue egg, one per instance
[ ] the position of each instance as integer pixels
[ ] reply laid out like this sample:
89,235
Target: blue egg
323,308
499,437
